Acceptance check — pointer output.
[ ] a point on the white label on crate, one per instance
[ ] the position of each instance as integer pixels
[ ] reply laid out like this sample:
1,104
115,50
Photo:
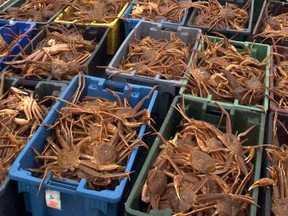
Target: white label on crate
53,199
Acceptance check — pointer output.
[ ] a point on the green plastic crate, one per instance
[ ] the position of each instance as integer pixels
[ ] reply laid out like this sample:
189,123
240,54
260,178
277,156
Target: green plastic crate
201,110
260,52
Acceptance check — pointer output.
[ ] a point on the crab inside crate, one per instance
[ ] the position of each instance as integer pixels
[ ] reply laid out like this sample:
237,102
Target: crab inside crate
241,120
9,32
276,97
274,8
115,34
167,88
259,52
75,197
266,193
236,34
130,23
19,4
90,33
11,202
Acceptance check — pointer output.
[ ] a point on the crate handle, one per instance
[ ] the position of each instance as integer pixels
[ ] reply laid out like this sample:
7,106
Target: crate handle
60,185
167,27
115,86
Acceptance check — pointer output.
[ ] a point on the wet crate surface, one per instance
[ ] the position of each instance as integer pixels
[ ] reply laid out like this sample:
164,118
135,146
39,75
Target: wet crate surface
236,34
114,36
130,22
167,88
76,194
10,30
241,121
259,52
11,202
97,56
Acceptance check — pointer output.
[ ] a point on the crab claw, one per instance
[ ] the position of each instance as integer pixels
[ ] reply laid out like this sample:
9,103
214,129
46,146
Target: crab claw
177,184
273,173
250,156
262,183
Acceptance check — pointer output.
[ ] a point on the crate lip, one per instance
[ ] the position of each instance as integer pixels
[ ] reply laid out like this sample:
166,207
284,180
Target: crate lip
152,155
111,71
127,16
111,196
229,31
109,25
265,103
103,37
31,20
259,23
6,4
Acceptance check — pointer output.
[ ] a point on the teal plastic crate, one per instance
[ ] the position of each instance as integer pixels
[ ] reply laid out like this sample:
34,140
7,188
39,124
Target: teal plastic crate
76,198
259,52
199,110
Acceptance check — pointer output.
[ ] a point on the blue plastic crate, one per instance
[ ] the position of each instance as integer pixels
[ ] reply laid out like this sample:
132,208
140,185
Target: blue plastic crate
76,198
11,29
130,23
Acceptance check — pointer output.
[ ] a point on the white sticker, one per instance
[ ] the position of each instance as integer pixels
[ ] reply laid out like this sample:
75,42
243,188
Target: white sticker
53,199
11,22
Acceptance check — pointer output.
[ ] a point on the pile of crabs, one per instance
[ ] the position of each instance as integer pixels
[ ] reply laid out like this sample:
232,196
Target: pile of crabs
201,170
21,113
61,55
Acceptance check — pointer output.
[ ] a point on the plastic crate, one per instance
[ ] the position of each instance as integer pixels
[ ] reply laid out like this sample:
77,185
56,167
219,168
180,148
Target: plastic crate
199,110
258,4
130,23
22,3
283,50
8,31
167,88
6,4
275,8
236,34
114,36
98,56
76,199
266,192
11,202
260,52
